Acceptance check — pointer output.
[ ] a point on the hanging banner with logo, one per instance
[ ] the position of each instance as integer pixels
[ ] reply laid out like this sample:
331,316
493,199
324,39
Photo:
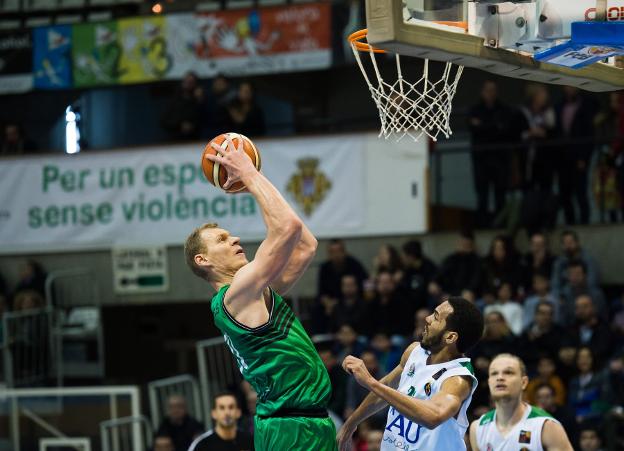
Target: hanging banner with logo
52,57
96,54
159,195
15,61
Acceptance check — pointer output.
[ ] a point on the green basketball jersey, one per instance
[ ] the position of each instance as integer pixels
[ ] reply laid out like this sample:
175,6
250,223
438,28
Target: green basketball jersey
278,359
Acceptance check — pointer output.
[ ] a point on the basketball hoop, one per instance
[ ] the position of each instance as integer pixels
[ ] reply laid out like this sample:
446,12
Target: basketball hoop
409,108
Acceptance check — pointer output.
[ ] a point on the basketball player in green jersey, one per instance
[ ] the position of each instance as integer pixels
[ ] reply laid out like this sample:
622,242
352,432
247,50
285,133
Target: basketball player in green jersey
514,424
272,349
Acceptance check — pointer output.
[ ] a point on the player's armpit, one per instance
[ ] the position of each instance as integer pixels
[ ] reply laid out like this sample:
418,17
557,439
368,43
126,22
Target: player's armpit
554,437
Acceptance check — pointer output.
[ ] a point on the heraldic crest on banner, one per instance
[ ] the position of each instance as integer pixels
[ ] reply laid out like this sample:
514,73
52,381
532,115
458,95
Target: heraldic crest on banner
309,186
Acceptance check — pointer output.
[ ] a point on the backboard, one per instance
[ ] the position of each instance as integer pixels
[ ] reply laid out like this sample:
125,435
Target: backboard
494,36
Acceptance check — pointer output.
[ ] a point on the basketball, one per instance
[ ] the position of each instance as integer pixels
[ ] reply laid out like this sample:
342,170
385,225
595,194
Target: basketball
216,174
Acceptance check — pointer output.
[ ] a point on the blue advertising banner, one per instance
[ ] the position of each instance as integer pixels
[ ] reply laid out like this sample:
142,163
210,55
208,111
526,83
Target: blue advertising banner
52,57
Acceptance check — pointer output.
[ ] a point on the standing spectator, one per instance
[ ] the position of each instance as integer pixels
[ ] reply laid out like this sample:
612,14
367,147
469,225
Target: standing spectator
578,285
539,206
571,251
545,399
510,309
589,390
178,424
460,271
537,260
575,134
490,123
501,264
419,271
14,141
338,378
590,330
32,276
337,265
243,113
225,436
546,374
220,95
541,337
541,293
182,117
163,443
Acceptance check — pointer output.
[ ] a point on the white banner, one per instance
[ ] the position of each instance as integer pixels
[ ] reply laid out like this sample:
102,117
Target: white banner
158,195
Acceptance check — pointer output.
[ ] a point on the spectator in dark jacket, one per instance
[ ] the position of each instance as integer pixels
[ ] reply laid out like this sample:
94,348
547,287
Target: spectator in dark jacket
538,260
542,336
578,285
572,251
490,126
243,113
182,118
179,425
337,265
501,264
575,135
419,271
459,271
14,141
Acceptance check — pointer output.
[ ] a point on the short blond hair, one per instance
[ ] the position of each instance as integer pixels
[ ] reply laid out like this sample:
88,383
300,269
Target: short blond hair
194,245
523,370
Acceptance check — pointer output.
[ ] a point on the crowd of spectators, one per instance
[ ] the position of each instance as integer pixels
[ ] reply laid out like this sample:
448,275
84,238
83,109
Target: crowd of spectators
548,309
195,113
536,159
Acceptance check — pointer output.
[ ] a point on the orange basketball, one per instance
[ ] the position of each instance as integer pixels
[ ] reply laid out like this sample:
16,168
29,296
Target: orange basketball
215,173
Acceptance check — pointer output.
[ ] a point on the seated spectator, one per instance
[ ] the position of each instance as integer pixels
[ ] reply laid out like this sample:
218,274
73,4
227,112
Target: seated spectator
182,117
178,424
501,264
347,343
390,311
511,310
388,355
337,265
541,337
163,443
538,260
541,293
589,330
546,375
243,113
589,391
419,271
32,276
373,440
388,259
351,307
420,323
14,141
497,339
590,439
545,399
338,378
356,393
459,271
577,285
225,436
572,251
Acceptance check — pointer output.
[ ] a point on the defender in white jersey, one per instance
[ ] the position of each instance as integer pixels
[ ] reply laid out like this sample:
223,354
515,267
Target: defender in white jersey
514,424
431,388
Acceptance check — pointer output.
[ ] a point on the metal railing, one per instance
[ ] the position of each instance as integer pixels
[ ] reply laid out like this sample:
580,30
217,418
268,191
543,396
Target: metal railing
77,443
126,434
184,385
13,397
30,356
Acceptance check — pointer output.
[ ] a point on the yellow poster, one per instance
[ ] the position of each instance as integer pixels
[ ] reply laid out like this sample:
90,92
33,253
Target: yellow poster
145,56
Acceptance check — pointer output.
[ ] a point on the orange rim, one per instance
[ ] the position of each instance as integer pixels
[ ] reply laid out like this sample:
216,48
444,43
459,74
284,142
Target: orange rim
463,25
355,40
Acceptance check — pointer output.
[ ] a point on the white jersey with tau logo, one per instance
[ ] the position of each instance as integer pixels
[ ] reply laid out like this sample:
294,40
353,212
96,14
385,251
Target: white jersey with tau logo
422,381
526,435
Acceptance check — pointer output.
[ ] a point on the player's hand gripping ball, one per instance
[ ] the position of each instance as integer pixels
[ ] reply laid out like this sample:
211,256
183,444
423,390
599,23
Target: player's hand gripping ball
215,172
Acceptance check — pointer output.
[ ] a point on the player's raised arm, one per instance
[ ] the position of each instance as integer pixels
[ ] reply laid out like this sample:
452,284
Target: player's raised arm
297,264
284,227
372,403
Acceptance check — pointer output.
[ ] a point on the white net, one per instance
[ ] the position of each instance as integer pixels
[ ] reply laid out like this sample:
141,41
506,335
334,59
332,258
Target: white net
411,108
